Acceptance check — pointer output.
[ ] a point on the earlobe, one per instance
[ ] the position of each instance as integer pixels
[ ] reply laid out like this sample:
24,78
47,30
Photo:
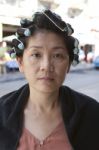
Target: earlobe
20,64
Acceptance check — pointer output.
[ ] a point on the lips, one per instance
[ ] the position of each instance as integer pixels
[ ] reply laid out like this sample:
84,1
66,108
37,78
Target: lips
46,78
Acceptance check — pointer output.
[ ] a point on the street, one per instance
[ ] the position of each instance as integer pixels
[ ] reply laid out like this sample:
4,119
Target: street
85,80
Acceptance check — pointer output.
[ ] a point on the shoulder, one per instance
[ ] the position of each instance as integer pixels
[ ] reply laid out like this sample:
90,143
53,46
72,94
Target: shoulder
12,96
80,97
12,102
80,100
86,108
83,118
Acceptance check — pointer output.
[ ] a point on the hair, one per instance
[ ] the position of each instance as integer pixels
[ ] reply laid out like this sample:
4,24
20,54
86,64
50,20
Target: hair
45,20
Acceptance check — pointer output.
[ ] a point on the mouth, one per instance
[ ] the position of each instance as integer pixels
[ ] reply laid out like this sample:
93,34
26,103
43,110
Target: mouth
46,78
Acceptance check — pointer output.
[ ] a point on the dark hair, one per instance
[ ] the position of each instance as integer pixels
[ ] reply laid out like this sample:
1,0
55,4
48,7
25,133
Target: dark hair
45,20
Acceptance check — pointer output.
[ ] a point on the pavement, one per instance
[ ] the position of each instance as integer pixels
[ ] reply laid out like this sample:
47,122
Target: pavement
12,76
82,66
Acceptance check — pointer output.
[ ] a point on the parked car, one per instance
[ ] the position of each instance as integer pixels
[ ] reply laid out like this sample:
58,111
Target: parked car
96,62
11,65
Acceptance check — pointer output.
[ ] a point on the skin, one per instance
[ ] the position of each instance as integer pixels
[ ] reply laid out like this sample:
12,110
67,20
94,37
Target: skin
45,64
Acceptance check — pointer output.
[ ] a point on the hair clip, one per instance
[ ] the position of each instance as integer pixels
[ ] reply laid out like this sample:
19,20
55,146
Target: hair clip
59,27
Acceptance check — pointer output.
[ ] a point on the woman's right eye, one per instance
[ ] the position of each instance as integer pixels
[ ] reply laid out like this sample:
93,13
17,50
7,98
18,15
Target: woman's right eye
36,55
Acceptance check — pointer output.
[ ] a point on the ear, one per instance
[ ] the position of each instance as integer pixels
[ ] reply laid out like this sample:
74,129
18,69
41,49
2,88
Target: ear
20,64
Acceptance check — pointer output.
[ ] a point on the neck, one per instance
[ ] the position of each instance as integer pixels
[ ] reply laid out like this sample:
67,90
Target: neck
43,102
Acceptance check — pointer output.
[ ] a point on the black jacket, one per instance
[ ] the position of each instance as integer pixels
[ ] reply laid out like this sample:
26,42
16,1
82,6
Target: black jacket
80,114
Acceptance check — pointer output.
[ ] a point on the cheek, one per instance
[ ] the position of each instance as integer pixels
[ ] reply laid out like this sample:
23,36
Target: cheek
63,72
30,68
62,69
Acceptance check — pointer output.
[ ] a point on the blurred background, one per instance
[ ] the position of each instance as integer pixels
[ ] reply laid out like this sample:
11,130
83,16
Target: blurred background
83,15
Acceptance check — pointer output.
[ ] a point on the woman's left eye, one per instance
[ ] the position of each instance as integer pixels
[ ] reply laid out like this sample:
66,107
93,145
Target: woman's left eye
58,55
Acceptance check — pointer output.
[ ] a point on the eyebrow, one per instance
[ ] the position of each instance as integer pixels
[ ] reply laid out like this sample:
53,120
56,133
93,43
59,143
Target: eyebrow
36,47
53,48
59,47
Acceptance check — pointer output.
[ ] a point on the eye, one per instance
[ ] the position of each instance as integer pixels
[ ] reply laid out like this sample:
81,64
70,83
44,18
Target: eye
36,55
58,55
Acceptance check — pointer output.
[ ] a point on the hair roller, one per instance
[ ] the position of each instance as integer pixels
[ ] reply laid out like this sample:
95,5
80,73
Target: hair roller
76,43
12,53
70,29
74,63
21,46
17,43
24,32
25,22
75,60
76,50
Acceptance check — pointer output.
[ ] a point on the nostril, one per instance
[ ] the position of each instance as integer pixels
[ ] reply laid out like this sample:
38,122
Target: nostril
47,67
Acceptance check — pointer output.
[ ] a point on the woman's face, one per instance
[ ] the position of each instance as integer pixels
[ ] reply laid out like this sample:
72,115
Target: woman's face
45,61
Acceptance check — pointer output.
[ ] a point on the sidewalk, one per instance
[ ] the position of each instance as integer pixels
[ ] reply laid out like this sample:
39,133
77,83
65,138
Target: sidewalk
82,66
12,76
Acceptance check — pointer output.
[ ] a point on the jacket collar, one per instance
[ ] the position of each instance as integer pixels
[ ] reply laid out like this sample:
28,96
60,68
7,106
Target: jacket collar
13,106
70,110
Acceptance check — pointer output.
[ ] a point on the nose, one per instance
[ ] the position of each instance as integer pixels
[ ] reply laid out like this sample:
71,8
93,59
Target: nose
47,65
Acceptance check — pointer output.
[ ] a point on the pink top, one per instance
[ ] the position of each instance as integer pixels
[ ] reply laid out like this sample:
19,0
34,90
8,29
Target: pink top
57,140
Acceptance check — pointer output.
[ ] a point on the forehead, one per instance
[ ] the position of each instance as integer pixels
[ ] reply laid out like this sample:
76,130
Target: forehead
46,38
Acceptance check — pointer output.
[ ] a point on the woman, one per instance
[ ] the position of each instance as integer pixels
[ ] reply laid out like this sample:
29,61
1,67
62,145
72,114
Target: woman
43,114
